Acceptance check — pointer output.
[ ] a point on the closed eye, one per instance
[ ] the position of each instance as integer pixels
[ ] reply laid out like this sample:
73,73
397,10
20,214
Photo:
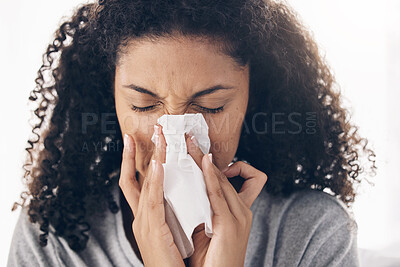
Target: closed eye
200,108
142,109
209,110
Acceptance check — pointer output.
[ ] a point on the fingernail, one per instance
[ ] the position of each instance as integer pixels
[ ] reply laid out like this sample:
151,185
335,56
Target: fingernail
156,129
126,144
227,168
157,135
194,140
157,139
210,157
153,164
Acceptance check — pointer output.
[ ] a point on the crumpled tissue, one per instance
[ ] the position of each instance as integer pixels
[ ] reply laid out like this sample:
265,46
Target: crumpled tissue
186,200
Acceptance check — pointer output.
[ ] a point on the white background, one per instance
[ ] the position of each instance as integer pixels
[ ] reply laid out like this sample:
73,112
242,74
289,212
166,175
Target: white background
360,39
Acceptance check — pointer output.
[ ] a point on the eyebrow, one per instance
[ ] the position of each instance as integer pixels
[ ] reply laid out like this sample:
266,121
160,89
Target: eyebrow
198,94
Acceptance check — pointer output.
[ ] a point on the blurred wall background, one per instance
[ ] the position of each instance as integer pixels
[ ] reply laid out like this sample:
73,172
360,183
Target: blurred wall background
361,41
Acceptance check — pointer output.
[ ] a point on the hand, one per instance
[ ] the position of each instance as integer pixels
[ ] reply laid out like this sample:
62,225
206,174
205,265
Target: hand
153,236
232,215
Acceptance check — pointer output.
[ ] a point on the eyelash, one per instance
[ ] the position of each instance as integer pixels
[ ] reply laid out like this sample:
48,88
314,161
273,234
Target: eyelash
139,109
148,108
211,110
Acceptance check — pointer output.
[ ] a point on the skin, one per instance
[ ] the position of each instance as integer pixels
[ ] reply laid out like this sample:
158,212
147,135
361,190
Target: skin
173,70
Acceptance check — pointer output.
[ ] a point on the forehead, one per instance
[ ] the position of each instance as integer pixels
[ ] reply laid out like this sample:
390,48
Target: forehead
176,55
176,61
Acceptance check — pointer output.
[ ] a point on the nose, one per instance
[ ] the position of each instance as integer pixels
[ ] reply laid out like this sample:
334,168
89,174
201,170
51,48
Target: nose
170,110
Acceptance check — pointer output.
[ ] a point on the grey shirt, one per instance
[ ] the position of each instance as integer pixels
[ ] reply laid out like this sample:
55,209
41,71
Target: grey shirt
309,228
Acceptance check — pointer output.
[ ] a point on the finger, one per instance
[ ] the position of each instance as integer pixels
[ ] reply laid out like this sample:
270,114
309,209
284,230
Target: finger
160,144
193,148
155,199
127,181
254,180
235,203
145,189
214,190
142,207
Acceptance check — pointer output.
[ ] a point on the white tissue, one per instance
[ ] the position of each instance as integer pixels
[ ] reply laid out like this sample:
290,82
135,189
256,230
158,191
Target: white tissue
184,186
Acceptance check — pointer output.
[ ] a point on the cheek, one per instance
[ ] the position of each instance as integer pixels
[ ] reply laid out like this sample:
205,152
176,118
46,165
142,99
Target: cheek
133,123
141,128
224,131
144,147
224,141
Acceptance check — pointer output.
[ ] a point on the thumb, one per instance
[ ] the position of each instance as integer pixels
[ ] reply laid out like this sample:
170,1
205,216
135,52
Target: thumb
254,180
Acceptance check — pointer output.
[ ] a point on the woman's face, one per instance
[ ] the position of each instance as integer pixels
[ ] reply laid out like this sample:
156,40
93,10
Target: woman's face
171,76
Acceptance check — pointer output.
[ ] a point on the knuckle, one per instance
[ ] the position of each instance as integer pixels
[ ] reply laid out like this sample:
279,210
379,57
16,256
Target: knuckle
136,228
146,184
241,163
222,177
122,182
152,204
127,154
218,193
210,193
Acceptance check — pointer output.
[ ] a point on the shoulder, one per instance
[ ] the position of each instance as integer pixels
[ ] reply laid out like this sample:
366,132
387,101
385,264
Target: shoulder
308,227
306,207
106,245
25,249
316,207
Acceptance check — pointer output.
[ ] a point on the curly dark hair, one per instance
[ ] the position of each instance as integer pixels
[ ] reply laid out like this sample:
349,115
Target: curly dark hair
288,77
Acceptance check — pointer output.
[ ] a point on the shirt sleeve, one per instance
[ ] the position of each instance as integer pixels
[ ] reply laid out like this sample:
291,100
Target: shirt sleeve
25,249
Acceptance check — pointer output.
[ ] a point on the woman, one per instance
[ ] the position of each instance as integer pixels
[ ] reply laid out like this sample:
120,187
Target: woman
269,100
